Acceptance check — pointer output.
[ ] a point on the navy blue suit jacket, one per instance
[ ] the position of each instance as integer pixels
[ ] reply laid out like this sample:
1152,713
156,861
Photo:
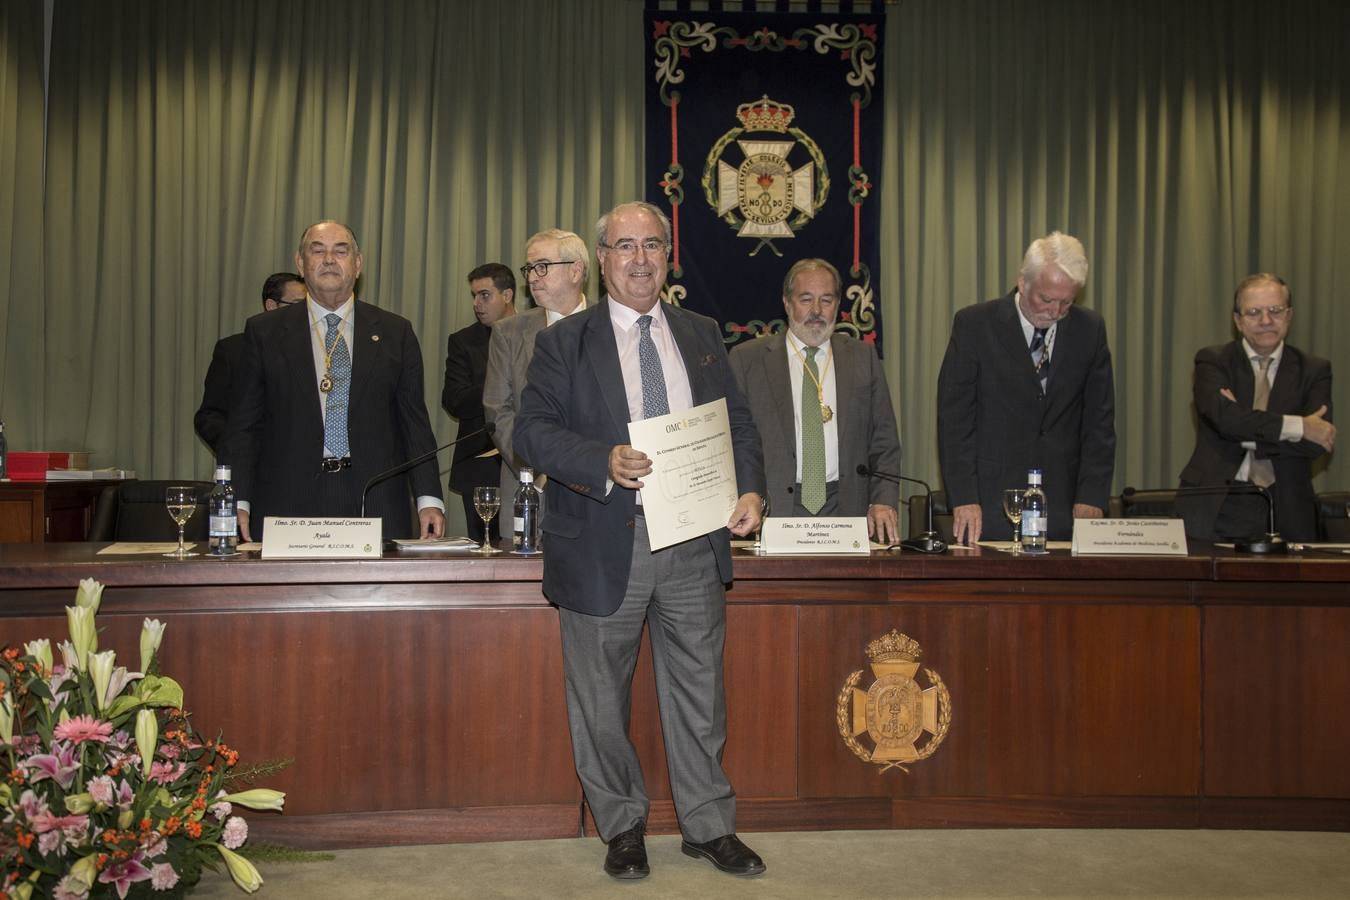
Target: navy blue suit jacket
574,411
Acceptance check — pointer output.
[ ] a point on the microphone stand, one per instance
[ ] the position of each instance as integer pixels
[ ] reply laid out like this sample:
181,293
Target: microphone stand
929,541
489,429
1269,544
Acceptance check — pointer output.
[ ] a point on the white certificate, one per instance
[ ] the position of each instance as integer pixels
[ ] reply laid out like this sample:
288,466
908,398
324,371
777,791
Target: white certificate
691,490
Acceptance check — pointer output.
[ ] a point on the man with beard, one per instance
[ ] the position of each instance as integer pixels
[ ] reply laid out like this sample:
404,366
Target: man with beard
830,391
1026,384
629,358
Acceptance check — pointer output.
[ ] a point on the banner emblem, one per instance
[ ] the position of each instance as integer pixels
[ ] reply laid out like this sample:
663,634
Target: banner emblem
759,196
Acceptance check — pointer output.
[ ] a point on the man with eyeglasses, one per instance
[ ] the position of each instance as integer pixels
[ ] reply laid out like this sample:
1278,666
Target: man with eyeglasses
1026,383
280,289
492,288
555,272
633,357
1263,414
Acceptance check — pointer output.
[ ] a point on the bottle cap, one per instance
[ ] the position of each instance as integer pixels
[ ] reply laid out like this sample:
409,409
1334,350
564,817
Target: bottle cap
526,475
222,473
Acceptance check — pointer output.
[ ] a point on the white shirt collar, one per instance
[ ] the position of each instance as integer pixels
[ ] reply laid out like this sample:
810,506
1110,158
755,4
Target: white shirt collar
317,313
550,316
800,346
625,317
1274,357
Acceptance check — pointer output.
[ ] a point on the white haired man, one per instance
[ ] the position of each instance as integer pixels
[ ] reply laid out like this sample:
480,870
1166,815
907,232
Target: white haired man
1026,383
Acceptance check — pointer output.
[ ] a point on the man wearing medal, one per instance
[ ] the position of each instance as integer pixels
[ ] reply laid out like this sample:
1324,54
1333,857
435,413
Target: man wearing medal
330,395
829,390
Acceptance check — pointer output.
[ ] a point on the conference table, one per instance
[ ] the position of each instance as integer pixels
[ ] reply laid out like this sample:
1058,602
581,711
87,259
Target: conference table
421,697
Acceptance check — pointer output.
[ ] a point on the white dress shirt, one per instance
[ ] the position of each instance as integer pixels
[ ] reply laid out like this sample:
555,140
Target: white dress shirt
1029,331
550,317
796,350
626,334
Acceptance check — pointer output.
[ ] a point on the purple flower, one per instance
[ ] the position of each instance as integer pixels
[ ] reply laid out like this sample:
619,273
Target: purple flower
235,833
44,821
166,773
122,875
162,876
60,765
101,789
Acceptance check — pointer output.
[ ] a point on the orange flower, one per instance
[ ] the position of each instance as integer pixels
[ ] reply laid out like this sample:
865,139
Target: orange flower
25,838
194,830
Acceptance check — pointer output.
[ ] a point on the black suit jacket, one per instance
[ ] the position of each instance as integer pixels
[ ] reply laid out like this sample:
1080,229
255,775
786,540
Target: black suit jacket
1302,385
274,439
995,422
574,411
218,395
466,355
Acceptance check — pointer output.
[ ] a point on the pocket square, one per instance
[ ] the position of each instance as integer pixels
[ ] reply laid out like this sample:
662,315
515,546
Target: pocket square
708,359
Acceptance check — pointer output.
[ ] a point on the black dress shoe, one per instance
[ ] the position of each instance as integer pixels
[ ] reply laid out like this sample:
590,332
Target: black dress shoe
627,855
726,853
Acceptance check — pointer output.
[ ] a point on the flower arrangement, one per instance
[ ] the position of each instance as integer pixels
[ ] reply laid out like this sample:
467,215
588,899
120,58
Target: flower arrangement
108,789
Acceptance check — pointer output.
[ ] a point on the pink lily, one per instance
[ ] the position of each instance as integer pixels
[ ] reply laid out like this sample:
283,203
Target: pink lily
60,766
122,875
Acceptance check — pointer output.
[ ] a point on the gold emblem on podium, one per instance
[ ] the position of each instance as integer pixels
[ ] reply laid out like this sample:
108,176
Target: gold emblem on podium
894,712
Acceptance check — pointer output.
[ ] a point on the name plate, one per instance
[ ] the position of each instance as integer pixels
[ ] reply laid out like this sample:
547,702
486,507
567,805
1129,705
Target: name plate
286,538
829,535
1129,537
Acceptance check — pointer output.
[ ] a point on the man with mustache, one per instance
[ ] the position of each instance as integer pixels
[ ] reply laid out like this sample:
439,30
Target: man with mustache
1026,383
633,357
330,395
822,407
1262,416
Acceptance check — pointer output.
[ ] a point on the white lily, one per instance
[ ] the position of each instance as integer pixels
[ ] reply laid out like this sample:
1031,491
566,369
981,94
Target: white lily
80,619
101,667
256,798
244,873
41,650
152,632
147,736
89,594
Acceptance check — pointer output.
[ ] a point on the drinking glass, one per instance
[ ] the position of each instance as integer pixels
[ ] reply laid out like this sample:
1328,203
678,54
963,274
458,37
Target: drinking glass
486,501
1012,508
758,545
181,499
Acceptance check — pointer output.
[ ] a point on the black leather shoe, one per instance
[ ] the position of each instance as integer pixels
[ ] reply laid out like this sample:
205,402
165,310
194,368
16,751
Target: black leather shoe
627,855
726,853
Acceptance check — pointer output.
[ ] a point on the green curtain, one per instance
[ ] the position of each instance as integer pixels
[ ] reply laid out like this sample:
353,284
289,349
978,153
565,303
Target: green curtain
21,288
188,144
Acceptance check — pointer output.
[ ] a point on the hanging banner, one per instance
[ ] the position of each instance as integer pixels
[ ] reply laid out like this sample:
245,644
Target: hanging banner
763,145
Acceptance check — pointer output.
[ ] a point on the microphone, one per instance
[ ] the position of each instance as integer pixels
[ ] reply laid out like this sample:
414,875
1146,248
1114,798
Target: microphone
929,541
1268,544
416,461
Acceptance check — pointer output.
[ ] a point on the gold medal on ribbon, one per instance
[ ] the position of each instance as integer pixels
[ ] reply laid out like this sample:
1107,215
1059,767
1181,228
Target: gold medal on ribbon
325,383
826,414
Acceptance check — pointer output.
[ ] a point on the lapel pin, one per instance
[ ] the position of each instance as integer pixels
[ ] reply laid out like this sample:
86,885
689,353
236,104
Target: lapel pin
374,337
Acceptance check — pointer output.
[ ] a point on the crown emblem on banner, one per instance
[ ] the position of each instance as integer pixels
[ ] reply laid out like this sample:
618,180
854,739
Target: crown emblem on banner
766,115
894,647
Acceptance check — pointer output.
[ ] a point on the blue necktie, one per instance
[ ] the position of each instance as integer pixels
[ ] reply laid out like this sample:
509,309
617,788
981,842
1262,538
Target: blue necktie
1040,357
335,401
654,400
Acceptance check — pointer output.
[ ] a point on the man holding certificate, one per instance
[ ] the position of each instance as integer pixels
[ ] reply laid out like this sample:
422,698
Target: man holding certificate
627,359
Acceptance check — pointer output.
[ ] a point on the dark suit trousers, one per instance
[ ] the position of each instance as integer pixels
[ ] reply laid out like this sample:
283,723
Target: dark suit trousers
678,593
471,473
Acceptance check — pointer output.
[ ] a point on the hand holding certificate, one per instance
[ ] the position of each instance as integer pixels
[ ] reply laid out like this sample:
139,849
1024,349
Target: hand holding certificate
691,490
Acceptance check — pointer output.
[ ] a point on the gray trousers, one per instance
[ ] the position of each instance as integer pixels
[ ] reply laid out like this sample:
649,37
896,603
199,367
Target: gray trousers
679,593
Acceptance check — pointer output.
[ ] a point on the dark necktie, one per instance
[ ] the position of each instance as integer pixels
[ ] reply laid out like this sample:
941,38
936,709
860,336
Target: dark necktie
1040,356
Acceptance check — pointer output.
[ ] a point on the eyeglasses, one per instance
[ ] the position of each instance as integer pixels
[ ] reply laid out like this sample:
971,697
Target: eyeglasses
540,269
1254,314
629,247
280,302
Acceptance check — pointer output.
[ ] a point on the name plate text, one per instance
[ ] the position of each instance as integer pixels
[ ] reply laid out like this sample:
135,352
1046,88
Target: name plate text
1129,537
828,535
288,538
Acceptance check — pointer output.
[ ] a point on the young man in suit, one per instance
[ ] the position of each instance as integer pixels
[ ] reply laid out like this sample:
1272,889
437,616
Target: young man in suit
280,289
1248,432
1026,383
331,395
811,388
493,290
555,271
633,357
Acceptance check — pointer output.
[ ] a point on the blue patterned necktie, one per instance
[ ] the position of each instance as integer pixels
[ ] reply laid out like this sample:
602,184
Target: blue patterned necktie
654,400
813,437
1040,356
335,401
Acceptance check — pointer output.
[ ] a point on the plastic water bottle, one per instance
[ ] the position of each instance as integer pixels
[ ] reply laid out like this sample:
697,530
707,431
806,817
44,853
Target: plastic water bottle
526,517
1033,515
224,530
